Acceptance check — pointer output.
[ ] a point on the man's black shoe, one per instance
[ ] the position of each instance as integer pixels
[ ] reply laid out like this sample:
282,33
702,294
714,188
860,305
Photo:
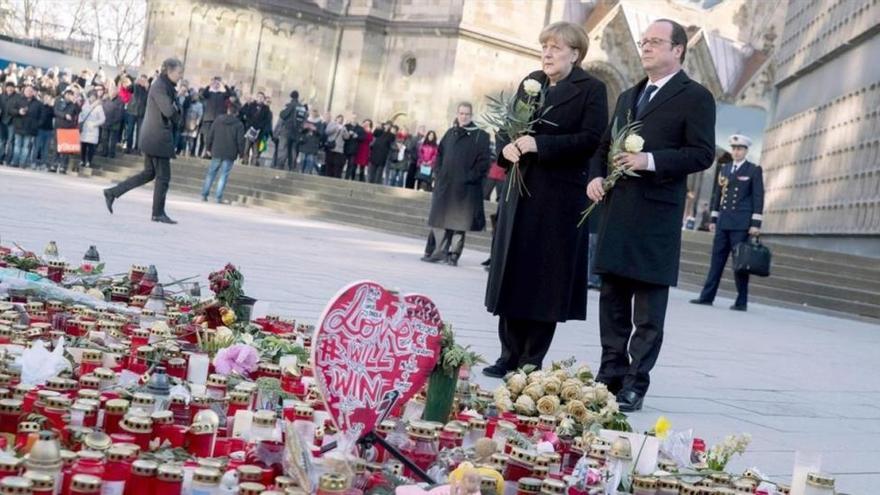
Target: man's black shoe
630,401
487,262
495,371
452,262
109,198
164,219
738,307
701,302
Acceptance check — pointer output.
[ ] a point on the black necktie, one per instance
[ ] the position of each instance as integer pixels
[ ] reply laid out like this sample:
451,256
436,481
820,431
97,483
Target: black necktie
645,99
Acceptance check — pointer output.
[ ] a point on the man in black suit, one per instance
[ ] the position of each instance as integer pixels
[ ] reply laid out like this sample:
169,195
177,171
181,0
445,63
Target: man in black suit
640,230
737,207
156,141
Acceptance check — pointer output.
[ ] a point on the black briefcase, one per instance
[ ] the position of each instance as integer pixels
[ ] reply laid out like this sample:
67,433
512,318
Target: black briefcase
751,257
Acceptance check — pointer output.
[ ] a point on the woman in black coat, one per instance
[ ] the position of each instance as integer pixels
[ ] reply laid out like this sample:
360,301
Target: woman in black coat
538,274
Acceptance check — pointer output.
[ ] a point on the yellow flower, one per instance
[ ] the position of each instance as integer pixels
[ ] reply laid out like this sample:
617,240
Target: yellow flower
661,427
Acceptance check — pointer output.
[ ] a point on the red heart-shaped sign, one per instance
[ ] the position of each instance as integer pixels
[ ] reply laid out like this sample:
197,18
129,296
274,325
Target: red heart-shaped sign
373,351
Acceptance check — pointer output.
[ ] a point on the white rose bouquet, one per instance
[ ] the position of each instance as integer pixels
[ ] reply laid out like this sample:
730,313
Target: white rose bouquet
622,139
566,391
515,117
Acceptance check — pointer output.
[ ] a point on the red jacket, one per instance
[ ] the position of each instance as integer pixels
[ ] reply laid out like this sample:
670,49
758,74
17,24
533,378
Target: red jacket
362,159
124,94
427,154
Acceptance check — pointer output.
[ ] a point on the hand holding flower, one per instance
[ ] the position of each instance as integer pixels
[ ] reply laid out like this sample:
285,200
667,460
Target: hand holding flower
632,161
527,144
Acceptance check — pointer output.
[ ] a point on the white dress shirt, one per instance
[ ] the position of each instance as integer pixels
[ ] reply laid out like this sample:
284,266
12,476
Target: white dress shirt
659,83
736,166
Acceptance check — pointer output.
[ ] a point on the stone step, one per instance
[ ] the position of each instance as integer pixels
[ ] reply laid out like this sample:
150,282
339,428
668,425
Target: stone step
368,210
274,190
414,201
774,295
702,257
801,277
806,287
289,186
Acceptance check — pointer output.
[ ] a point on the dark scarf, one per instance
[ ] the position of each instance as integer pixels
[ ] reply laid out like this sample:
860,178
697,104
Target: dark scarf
169,87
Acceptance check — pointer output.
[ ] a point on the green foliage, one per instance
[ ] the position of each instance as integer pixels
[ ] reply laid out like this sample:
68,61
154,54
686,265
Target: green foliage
23,263
272,348
618,422
453,356
514,117
618,137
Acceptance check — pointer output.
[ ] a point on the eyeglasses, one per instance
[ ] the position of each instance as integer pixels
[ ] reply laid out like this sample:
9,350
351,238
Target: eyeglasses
653,42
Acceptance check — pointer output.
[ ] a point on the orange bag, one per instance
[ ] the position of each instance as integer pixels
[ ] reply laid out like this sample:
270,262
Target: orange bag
68,141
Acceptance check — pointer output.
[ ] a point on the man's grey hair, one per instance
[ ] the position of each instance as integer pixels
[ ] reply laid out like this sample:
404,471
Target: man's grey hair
171,64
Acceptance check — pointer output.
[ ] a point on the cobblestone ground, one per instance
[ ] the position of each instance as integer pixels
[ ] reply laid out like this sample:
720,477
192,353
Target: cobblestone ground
793,380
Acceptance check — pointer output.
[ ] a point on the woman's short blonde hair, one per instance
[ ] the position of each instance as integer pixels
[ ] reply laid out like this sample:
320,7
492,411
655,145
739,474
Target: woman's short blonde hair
573,35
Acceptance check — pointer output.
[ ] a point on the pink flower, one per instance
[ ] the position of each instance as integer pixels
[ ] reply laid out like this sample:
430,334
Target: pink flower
237,358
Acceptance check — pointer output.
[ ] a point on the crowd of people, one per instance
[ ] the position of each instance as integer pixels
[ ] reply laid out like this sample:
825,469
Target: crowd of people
107,114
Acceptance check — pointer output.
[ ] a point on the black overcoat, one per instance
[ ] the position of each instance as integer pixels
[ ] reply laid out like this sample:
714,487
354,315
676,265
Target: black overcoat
640,227
157,137
539,255
463,157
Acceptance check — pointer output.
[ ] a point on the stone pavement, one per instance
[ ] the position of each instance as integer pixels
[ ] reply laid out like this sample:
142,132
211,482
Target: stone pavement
793,380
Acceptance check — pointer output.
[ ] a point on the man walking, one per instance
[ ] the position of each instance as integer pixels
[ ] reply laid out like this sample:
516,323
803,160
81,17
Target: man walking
463,159
156,140
639,242
737,207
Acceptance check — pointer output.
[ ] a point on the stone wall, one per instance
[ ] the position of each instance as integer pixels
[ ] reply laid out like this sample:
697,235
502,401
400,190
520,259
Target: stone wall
377,59
821,154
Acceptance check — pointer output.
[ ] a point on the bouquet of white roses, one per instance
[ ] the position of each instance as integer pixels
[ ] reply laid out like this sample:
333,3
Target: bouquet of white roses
567,392
516,117
625,139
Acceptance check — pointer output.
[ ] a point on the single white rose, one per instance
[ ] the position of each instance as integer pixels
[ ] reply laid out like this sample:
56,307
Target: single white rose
633,143
532,87
223,333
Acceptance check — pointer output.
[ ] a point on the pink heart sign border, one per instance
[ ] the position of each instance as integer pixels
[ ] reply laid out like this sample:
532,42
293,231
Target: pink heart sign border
372,351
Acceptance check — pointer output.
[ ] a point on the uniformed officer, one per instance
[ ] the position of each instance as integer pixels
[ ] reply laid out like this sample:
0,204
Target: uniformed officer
737,205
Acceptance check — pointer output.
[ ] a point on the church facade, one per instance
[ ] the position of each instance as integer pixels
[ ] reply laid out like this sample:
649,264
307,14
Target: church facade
414,60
